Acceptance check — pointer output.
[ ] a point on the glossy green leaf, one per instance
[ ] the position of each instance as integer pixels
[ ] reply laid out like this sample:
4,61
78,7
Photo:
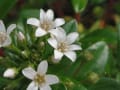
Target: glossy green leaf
107,35
100,55
106,84
79,87
79,5
5,6
118,77
71,26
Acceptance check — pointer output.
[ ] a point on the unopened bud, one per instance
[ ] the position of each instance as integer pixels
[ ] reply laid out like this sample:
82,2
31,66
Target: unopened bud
42,44
20,36
10,73
93,77
88,55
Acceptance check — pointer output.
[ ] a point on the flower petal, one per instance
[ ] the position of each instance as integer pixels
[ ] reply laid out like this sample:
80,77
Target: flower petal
59,33
42,68
2,26
7,41
40,32
33,21
75,47
52,42
59,21
50,14
42,15
29,73
32,86
51,79
11,28
58,55
71,55
46,87
72,37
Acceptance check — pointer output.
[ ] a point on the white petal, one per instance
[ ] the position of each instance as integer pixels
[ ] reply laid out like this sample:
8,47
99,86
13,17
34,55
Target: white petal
33,21
74,47
11,28
59,33
58,55
7,41
50,14
52,42
2,26
32,86
71,55
72,37
42,68
51,79
42,15
46,87
29,73
40,32
59,21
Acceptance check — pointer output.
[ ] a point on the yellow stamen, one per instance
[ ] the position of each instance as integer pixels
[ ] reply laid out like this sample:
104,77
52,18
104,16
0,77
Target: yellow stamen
39,79
62,47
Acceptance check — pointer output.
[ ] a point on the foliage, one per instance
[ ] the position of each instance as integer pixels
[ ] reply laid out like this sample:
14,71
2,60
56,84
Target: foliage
97,64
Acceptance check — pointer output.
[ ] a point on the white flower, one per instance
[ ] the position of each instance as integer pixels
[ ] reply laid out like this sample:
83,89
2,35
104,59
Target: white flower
63,44
5,39
10,73
39,79
45,23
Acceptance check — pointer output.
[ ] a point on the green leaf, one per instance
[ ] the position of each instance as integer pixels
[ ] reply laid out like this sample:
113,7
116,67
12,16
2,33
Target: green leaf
28,13
100,55
118,40
59,87
106,84
71,26
107,35
5,6
118,77
79,87
79,5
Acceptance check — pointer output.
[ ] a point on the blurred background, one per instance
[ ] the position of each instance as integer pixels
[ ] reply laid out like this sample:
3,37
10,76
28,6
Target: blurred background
103,11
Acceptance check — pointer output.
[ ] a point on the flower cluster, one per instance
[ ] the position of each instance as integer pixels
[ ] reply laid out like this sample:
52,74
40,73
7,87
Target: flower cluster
62,43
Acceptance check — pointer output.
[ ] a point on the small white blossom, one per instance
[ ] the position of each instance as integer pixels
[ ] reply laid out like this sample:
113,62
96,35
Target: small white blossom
39,79
10,73
63,44
45,23
5,39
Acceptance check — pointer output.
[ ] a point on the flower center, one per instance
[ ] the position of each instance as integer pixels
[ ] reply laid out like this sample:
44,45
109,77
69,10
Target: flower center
62,47
46,25
3,37
39,79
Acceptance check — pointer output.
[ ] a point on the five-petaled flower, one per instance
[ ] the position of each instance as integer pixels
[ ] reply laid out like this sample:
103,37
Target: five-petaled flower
5,39
39,79
46,22
63,44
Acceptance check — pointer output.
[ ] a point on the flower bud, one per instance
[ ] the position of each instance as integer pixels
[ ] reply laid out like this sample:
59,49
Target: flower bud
10,73
20,36
93,77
